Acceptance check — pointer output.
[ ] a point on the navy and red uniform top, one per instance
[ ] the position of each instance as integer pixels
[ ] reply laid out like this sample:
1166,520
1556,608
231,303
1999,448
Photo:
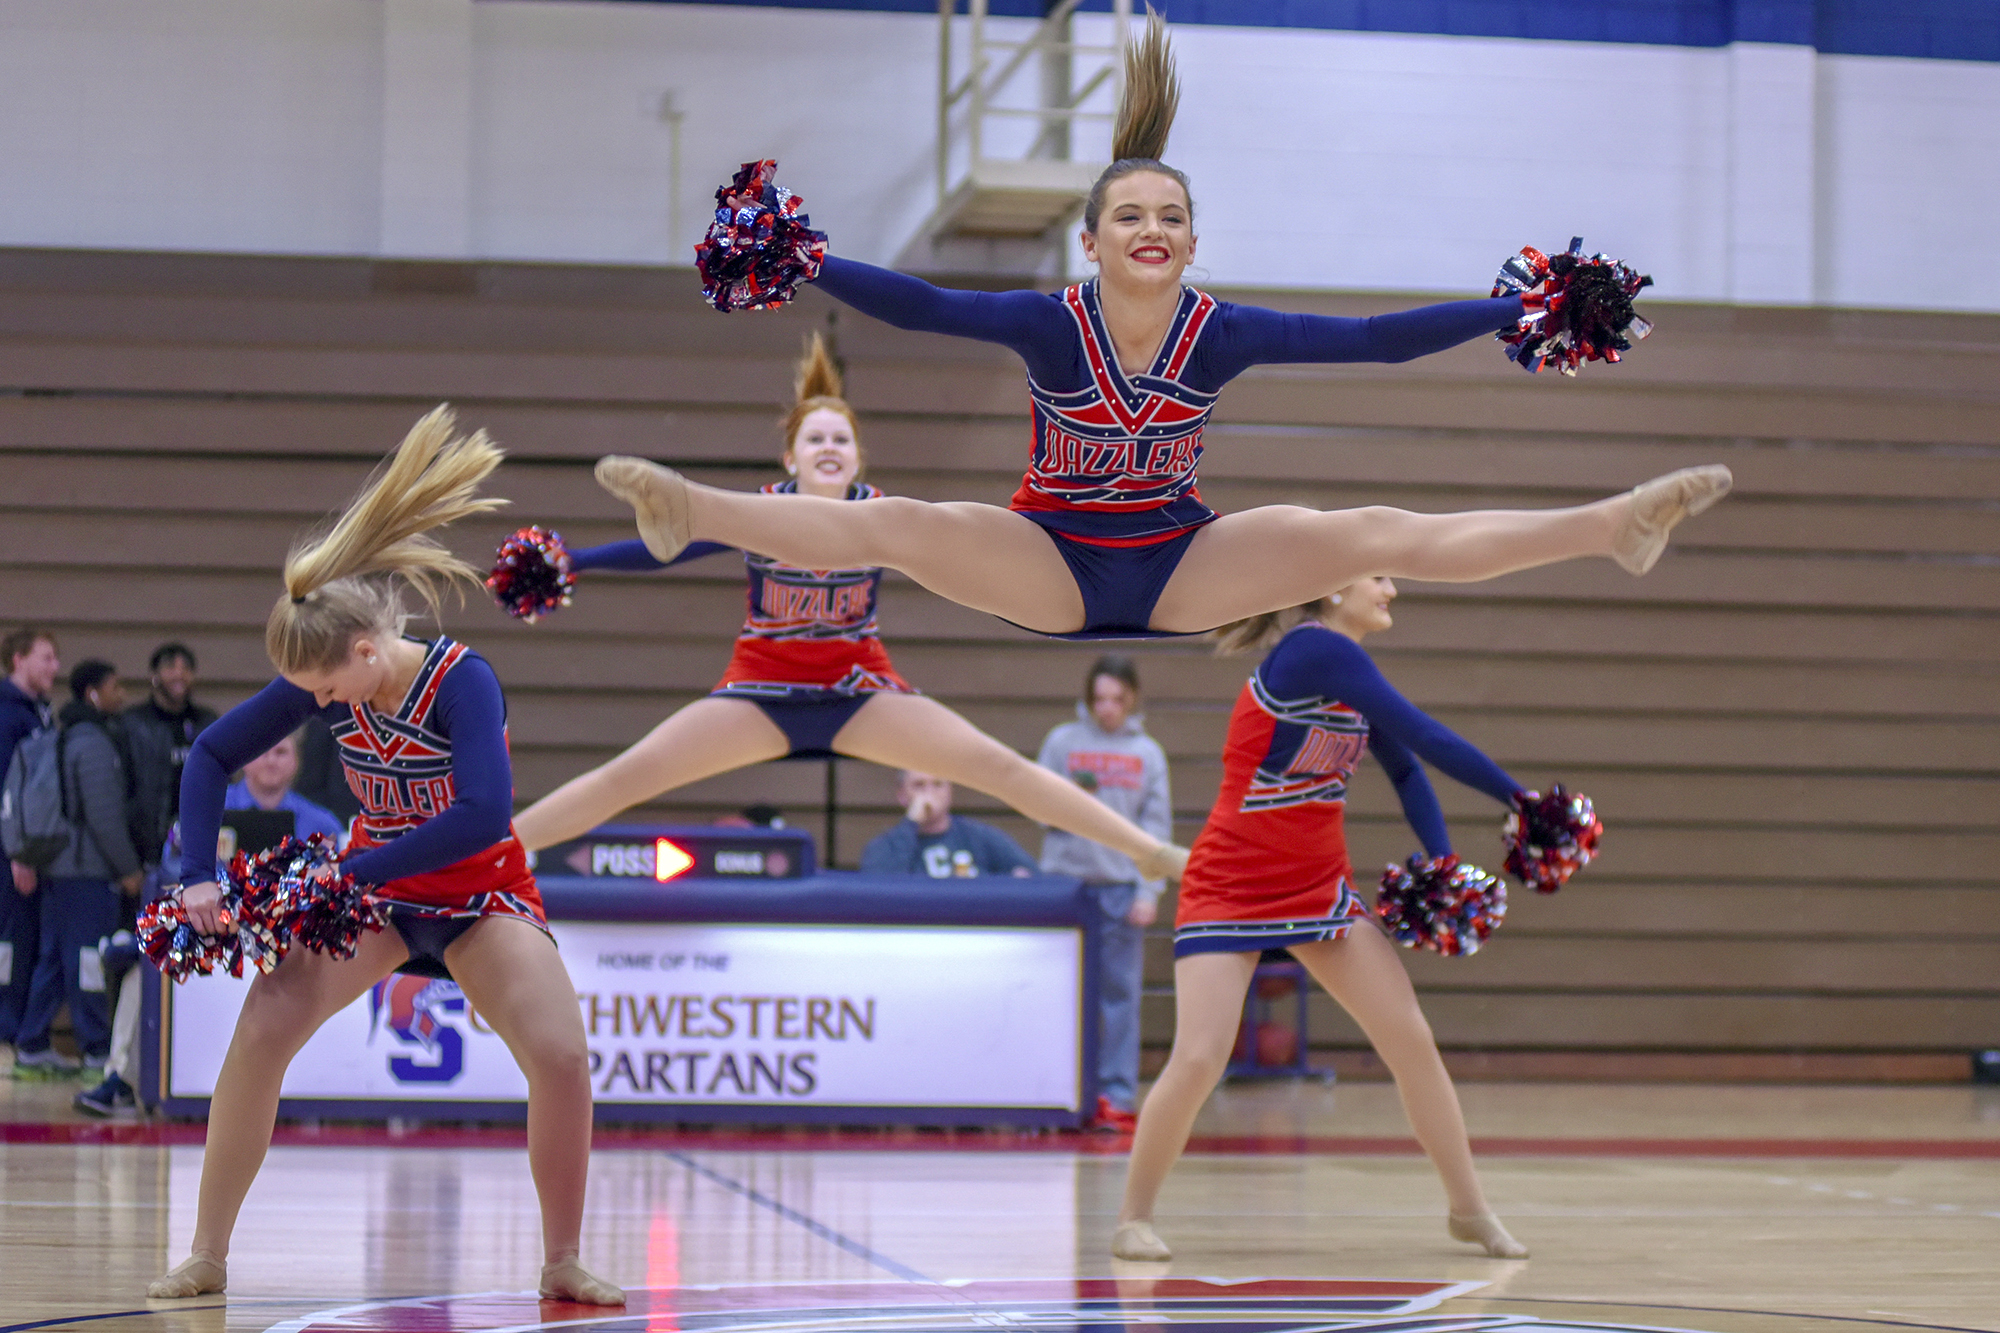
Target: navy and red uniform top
433,778
1114,456
1274,848
810,629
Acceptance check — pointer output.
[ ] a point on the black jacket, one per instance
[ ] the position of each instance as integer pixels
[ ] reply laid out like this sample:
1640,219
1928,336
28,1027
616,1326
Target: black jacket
157,743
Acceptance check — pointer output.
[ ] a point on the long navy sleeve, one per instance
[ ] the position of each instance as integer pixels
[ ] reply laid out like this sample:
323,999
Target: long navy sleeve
1314,660
632,556
470,711
1040,329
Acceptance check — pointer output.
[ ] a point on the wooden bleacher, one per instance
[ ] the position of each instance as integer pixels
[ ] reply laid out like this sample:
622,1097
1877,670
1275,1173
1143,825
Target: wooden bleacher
1792,726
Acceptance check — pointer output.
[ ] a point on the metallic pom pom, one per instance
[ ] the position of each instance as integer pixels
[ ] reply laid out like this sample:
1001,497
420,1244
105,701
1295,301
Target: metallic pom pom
531,574
291,893
1442,905
760,247
1549,838
1576,309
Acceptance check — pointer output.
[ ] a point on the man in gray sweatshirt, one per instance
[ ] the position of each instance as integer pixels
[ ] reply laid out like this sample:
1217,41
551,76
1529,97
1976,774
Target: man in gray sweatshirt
80,888
1107,752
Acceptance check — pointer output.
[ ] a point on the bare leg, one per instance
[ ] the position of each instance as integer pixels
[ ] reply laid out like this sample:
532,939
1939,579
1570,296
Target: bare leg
911,731
1281,555
1208,1006
977,555
707,737
283,1009
1363,973
996,561
511,973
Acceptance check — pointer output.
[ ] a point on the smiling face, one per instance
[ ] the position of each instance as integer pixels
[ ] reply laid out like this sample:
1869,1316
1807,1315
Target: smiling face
35,671
824,454
1145,235
1363,608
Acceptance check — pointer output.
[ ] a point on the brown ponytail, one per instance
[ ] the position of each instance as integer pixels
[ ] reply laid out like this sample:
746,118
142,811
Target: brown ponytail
1256,633
816,384
347,583
1145,117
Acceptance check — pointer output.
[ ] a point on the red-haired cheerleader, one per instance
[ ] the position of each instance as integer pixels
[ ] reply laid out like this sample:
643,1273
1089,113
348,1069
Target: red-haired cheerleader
810,677
1270,871
422,729
1107,536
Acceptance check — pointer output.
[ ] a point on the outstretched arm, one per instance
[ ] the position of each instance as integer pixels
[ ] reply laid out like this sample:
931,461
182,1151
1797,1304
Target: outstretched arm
1414,792
226,745
1033,324
632,556
1252,336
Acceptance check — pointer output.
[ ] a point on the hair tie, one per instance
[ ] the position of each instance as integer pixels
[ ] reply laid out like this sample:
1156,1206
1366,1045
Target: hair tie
300,600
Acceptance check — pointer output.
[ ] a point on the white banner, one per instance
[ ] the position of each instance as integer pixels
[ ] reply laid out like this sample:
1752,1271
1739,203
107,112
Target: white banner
840,1015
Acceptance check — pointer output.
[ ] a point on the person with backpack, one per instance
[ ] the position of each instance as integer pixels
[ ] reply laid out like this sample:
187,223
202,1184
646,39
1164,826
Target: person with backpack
33,662
86,859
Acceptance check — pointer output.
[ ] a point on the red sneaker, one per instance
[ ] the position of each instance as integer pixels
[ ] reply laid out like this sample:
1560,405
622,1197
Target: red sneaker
1110,1120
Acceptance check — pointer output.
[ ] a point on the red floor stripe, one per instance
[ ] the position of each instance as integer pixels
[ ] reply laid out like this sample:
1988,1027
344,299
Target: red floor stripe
907,1140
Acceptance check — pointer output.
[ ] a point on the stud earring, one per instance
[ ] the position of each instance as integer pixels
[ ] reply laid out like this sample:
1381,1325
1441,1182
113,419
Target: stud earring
1336,599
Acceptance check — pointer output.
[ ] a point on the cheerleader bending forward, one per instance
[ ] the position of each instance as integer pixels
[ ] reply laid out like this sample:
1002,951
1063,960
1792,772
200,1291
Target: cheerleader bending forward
422,732
1270,871
809,676
1107,536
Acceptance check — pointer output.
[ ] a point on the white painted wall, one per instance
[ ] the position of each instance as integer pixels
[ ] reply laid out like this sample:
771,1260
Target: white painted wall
522,129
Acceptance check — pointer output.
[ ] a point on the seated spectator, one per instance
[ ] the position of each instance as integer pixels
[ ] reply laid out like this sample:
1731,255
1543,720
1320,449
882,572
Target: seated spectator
933,841
266,784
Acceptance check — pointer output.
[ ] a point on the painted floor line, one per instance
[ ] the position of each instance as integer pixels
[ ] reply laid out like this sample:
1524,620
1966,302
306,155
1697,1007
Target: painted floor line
812,1224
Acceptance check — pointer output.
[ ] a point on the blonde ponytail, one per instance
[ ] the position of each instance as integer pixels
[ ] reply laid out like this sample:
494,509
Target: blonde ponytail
1259,632
1146,111
347,583
816,384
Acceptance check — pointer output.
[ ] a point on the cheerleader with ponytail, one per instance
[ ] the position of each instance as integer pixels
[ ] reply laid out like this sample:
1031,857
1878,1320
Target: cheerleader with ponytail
809,676
1270,871
422,733
1107,536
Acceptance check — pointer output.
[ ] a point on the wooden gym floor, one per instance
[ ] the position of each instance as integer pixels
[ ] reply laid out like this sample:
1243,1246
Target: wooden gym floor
1721,1209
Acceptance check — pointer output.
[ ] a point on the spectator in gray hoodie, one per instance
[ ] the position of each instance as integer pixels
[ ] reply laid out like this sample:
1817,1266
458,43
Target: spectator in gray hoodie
1107,752
80,889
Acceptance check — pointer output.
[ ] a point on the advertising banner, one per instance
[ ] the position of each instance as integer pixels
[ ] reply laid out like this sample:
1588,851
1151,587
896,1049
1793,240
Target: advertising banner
793,1020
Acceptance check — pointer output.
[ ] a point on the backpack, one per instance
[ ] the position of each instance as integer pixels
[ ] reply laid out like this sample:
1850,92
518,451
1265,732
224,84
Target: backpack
35,820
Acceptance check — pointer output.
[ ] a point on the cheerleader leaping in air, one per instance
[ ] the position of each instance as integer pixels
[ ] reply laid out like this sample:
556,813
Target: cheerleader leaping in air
421,725
1270,871
1107,536
810,677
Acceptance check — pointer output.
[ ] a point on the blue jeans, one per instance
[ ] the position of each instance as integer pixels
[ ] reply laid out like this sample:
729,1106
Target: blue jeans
76,914
20,945
1120,973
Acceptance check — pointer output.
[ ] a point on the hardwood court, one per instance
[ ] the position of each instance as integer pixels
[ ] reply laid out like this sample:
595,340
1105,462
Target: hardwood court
1723,1210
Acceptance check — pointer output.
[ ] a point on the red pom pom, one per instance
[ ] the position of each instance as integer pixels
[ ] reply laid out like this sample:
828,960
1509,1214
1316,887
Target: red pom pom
531,574
291,893
1577,308
760,246
1549,838
1442,905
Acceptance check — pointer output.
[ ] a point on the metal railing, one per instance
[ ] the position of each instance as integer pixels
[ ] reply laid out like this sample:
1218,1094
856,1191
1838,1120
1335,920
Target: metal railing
994,62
